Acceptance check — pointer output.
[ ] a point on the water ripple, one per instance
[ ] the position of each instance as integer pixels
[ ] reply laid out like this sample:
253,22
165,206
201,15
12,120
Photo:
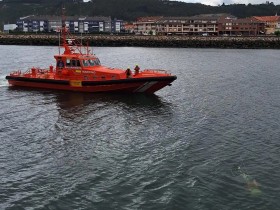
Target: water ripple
196,145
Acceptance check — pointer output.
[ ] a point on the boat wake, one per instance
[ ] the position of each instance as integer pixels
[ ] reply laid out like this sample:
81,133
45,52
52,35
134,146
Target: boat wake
3,81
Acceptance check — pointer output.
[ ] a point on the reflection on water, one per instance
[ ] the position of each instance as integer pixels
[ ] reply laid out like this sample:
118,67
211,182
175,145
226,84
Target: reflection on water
75,101
72,99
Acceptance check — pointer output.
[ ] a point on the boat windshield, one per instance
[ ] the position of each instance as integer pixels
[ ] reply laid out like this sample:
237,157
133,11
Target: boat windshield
91,62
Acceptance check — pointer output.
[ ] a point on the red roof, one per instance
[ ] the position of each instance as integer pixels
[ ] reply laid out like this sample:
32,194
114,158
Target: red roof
128,26
267,18
148,19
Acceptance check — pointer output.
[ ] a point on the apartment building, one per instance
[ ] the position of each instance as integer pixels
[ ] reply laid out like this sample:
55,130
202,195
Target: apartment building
195,25
117,26
205,25
172,25
75,24
9,27
146,25
272,23
31,24
129,27
242,26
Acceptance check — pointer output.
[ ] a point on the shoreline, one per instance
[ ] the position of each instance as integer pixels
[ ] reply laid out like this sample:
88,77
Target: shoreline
149,41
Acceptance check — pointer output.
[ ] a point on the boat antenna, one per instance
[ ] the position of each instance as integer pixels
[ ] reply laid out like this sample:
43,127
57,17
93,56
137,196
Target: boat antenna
64,30
81,41
59,42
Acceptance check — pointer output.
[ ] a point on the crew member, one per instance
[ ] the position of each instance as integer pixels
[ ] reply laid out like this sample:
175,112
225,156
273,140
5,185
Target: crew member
136,69
60,64
128,73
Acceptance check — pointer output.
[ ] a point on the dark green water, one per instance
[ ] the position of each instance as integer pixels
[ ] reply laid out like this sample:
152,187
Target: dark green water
197,145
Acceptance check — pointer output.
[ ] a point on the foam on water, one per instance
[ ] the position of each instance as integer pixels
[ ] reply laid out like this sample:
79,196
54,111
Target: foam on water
3,81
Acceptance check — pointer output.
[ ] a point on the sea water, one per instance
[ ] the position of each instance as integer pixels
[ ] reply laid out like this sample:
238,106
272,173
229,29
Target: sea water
198,144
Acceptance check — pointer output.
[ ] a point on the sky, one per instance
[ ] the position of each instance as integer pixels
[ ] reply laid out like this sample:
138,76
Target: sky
219,2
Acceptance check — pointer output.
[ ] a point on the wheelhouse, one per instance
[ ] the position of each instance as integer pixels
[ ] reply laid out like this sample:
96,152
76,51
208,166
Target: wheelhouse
76,62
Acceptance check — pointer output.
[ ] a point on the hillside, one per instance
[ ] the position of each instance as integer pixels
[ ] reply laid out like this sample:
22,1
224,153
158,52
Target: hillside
10,10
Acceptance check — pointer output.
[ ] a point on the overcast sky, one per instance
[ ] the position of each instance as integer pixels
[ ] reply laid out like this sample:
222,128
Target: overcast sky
217,2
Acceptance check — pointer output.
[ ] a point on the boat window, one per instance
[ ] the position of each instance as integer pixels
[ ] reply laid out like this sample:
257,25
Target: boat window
73,62
68,62
85,63
60,63
91,62
97,62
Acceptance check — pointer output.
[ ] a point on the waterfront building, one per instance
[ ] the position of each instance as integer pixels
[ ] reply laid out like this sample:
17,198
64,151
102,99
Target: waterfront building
75,24
117,26
201,25
146,25
206,24
9,27
241,27
172,25
272,23
53,23
128,28
32,24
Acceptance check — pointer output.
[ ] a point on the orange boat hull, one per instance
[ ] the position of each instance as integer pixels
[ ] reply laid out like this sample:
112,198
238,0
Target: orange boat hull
133,85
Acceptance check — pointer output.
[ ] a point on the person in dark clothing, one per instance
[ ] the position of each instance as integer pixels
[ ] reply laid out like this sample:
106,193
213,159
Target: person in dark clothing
128,73
136,69
60,64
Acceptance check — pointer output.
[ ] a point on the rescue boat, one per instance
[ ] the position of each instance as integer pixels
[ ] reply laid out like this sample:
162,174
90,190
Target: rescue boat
78,69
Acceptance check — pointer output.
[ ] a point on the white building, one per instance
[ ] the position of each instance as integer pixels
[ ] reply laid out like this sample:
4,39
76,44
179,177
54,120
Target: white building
9,27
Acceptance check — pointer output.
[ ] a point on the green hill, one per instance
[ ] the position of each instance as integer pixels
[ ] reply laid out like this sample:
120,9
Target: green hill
10,10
